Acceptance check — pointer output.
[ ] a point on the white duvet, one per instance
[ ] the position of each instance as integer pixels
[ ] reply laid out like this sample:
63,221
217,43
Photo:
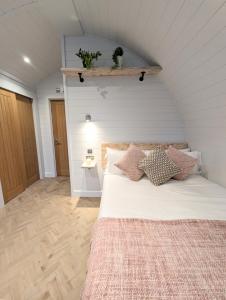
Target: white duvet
193,198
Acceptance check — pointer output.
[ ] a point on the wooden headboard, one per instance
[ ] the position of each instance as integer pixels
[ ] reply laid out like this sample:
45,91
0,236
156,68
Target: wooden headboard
124,146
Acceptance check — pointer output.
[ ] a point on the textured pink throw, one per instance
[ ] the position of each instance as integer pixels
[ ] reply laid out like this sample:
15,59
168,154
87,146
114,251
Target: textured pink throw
142,259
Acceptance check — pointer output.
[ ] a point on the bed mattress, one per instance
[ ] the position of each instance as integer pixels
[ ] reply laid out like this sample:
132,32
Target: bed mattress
193,198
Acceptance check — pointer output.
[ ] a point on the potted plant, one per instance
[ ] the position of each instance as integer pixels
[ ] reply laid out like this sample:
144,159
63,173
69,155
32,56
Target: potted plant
117,57
88,57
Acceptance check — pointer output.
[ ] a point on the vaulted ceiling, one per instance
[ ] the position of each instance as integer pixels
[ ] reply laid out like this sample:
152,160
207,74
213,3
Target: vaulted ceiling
171,32
33,28
186,37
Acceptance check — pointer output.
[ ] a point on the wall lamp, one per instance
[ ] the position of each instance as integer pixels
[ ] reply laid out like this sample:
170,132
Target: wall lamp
88,118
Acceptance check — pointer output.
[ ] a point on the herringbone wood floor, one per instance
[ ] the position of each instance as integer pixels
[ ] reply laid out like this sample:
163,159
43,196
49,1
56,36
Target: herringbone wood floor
44,243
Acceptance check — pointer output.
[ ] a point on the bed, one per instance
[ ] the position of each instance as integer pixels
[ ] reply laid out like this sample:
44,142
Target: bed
194,198
166,242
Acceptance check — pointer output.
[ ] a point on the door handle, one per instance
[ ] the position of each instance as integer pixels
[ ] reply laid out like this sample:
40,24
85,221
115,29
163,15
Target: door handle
56,142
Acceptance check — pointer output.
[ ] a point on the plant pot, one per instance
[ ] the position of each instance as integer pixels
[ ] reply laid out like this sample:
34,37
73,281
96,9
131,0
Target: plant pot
87,64
120,61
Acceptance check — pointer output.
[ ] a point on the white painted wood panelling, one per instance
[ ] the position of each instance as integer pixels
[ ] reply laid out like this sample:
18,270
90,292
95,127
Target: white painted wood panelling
188,39
6,82
46,90
33,28
123,109
196,73
95,43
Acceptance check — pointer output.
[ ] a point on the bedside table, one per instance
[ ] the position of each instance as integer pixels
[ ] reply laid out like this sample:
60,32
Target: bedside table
89,165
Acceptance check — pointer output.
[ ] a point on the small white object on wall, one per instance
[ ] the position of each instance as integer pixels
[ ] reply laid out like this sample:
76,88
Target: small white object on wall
1,196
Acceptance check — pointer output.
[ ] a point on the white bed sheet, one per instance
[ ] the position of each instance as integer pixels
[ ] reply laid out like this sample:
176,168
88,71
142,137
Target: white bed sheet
193,198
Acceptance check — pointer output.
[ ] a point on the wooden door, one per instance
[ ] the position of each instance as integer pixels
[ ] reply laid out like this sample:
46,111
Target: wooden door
60,137
12,169
25,113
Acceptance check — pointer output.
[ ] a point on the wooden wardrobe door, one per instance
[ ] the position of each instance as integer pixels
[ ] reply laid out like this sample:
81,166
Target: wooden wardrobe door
25,112
60,137
12,170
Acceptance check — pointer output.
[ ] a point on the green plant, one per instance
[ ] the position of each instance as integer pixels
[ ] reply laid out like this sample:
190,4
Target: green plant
88,57
118,52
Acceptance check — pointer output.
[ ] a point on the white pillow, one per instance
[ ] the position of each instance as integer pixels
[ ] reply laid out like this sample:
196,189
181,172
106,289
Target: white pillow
185,150
112,156
147,152
198,166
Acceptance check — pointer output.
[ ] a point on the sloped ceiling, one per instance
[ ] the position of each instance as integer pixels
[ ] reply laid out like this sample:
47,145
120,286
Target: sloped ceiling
170,32
186,37
178,34
33,28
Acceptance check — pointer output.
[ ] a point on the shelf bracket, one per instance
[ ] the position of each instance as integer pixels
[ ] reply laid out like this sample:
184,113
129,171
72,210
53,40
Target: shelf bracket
81,79
141,78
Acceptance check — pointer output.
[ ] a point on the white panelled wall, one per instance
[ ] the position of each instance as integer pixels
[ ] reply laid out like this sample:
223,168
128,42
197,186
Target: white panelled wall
195,70
188,39
46,90
123,109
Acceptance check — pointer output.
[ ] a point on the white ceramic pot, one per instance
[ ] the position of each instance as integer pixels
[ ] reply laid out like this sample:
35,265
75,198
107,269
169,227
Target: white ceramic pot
120,61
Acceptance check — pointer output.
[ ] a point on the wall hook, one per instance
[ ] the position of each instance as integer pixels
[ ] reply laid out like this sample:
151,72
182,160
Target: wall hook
141,78
80,77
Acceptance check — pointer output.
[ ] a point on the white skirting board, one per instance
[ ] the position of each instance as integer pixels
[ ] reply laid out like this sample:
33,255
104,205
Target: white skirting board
80,193
50,174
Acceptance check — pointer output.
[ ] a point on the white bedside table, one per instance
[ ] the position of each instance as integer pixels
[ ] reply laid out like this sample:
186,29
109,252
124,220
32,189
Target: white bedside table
89,165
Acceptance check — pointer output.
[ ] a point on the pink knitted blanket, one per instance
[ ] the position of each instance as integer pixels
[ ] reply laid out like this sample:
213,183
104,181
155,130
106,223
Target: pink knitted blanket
142,259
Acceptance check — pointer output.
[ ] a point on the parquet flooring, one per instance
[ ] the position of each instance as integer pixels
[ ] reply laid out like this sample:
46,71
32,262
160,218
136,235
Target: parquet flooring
44,243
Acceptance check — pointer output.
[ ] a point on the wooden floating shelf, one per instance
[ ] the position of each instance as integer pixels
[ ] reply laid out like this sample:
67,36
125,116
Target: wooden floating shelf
74,72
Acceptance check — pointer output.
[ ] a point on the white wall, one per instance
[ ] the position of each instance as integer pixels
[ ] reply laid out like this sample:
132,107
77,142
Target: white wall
16,87
1,196
188,39
195,69
72,44
12,85
123,109
46,90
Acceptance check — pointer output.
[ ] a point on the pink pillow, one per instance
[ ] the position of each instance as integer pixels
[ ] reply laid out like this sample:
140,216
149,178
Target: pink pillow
183,161
129,163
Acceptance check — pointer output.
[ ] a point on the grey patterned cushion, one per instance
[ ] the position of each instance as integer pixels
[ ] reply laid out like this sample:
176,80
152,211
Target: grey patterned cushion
159,167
